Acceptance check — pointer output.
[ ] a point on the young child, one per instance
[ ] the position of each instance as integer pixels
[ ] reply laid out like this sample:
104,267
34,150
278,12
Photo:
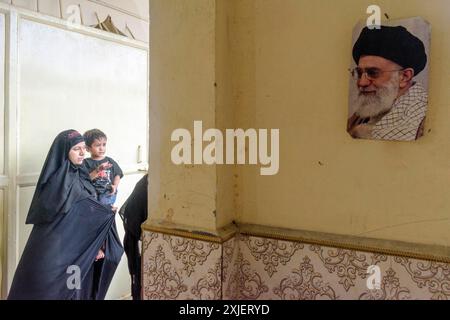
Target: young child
105,173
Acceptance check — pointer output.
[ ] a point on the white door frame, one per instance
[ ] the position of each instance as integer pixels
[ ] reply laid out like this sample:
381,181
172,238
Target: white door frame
12,181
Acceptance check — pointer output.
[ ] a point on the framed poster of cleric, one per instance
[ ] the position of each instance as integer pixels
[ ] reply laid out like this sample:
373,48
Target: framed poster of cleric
388,96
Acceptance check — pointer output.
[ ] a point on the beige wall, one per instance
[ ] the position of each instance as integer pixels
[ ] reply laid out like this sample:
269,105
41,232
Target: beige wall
182,76
190,80
225,115
134,13
284,65
294,78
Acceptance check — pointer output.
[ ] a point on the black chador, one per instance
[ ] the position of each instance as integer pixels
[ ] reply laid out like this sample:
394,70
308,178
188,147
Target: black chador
134,213
70,227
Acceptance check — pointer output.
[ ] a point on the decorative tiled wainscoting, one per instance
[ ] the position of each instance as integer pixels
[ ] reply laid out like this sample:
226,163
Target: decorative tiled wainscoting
181,268
252,267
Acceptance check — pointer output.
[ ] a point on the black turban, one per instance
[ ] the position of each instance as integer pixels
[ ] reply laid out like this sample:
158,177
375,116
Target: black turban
393,43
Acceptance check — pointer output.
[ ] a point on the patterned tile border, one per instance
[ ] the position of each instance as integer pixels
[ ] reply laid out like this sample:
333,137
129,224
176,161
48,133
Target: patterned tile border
249,267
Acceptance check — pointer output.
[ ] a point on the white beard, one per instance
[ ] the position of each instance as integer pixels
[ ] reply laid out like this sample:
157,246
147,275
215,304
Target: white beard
373,105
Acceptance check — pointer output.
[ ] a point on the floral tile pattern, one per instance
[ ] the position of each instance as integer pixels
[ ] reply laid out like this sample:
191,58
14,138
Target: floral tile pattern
162,280
180,268
252,268
271,252
209,286
433,276
348,265
389,290
304,284
190,252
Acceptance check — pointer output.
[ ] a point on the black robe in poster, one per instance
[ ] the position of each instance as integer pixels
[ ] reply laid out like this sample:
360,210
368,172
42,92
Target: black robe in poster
70,226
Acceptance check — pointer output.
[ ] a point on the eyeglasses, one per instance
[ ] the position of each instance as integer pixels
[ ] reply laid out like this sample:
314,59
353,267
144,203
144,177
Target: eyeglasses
371,73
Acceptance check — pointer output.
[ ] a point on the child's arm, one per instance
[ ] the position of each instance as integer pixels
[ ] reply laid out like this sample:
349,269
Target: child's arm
115,184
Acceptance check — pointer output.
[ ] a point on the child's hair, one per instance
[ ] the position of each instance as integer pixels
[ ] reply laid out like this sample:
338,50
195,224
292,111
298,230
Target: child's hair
91,135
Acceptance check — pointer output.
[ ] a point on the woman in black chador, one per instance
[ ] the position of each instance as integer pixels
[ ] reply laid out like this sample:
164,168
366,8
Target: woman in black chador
73,250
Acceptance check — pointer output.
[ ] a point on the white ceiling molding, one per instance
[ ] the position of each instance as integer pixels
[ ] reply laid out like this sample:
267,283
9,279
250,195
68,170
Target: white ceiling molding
111,6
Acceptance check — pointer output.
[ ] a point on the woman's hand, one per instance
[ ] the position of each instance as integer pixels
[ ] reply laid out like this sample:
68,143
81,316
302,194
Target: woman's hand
100,255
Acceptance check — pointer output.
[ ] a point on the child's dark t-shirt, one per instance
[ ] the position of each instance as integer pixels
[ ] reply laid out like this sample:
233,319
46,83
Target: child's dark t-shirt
106,177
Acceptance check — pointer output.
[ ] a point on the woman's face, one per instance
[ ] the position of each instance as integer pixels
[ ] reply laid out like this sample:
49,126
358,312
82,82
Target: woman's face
76,154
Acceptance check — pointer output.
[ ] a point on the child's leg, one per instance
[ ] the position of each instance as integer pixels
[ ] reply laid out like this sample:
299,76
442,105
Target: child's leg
107,198
113,198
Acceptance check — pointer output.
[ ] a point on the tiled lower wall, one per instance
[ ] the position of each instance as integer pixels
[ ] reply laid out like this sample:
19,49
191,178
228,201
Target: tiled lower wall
248,267
180,268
